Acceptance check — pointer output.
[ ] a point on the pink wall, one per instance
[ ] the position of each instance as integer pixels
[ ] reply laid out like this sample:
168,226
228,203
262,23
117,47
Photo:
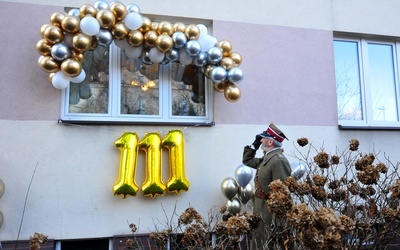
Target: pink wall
289,72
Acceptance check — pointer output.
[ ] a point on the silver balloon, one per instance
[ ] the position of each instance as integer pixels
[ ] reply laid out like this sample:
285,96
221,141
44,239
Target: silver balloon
74,12
172,55
243,175
235,75
101,5
104,37
246,193
60,51
233,206
2,188
214,55
229,188
218,74
193,48
145,58
299,171
200,60
133,8
179,38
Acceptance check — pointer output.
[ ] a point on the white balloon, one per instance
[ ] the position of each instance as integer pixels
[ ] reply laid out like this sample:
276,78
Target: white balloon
203,29
133,20
133,52
155,55
80,78
123,43
74,12
39,59
59,80
89,25
185,58
206,42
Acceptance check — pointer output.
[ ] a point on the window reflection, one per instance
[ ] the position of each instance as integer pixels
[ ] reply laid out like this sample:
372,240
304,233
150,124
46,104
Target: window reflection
348,88
382,82
139,87
91,95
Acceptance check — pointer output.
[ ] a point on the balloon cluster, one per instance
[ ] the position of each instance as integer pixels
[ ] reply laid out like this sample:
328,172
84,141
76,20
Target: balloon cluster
69,35
2,189
238,190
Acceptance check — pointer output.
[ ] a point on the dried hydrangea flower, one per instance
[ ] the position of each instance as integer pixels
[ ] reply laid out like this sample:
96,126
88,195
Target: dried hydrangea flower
318,193
382,168
353,144
364,161
395,189
335,160
189,216
302,141
334,184
319,180
291,183
300,216
354,188
303,189
347,222
161,238
130,243
322,159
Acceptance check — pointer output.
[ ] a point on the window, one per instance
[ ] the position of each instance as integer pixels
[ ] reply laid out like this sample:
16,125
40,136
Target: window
122,88
367,84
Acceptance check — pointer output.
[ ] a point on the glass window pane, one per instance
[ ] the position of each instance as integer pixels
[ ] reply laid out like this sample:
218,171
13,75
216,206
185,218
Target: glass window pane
188,90
382,82
139,87
91,95
348,88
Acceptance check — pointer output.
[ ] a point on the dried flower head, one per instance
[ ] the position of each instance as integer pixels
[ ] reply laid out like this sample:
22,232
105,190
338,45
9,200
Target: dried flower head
189,216
300,216
382,168
194,235
334,184
348,223
370,175
364,161
130,243
302,141
36,240
335,160
319,180
395,189
318,193
133,227
161,238
291,183
303,189
322,159
354,188
353,144
277,186
237,225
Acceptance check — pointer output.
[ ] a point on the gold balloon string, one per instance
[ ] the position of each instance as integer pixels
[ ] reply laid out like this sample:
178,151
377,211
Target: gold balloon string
139,131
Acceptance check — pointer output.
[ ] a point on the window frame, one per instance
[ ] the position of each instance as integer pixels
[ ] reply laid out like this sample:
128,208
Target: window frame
365,83
164,117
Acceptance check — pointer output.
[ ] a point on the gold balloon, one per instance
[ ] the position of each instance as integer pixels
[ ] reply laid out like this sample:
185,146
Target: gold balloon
56,18
192,31
77,55
119,10
174,142
53,34
153,184
135,38
71,67
93,43
43,28
43,47
219,87
126,183
237,58
105,18
146,25
119,30
154,26
207,70
179,27
71,24
231,92
150,38
164,43
226,47
82,42
166,28
49,64
227,63
87,9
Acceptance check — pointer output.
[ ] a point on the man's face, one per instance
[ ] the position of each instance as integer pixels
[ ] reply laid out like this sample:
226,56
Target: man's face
266,144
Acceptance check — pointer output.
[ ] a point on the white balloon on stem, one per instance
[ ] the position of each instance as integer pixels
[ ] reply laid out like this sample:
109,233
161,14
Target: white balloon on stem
90,26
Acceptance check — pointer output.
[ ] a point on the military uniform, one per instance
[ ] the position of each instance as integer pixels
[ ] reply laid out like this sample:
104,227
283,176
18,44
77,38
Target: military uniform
272,166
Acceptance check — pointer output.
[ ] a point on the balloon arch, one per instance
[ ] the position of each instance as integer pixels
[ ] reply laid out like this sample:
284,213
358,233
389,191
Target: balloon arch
69,35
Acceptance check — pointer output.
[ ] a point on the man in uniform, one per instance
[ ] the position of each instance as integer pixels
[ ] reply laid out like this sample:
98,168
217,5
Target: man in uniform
272,166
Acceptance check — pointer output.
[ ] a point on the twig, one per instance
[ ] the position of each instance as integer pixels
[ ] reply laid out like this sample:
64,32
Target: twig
26,199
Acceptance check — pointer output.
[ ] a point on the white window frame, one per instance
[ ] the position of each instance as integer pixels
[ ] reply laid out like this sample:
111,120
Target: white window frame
366,99
165,94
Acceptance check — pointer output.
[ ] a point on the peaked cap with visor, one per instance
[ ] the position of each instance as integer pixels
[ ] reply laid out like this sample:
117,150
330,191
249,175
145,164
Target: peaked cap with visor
274,132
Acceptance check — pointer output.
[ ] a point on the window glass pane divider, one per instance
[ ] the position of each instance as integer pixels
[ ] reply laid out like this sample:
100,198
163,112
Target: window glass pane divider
115,80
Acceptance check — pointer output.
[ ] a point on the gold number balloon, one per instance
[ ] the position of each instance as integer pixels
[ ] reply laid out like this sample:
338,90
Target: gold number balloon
174,142
151,145
126,185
